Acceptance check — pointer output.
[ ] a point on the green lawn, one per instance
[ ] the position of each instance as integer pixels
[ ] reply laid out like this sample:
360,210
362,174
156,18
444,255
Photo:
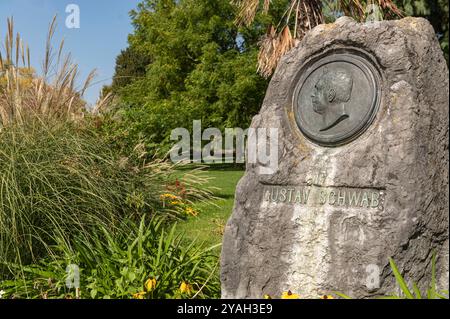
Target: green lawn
208,226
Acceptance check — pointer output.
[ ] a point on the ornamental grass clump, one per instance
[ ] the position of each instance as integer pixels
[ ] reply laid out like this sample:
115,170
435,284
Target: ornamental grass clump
53,93
58,179
61,179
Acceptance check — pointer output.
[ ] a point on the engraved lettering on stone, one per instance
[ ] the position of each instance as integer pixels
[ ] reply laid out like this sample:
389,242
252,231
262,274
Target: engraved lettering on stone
320,196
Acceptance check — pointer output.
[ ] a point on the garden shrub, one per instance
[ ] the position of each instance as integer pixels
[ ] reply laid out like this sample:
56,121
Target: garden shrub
151,262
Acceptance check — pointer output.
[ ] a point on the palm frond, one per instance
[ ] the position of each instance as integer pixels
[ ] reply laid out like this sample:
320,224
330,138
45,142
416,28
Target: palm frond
307,14
247,10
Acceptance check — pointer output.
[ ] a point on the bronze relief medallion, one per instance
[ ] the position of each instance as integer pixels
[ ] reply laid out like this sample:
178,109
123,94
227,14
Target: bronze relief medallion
336,98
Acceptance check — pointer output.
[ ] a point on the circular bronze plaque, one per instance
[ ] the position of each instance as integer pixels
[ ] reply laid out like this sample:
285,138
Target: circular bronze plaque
336,98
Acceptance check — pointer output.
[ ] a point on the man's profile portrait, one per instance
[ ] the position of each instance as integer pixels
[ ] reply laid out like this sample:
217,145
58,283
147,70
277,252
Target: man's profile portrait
331,93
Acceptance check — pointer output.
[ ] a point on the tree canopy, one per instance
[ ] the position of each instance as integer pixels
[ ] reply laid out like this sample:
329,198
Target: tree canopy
192,59
188,60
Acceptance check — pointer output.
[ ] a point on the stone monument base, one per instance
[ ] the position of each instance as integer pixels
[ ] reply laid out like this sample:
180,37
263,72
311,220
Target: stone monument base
346,198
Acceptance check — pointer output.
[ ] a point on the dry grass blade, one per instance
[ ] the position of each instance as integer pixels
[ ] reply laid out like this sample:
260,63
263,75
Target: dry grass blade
48,48
23,93
102,104
91,76
266,6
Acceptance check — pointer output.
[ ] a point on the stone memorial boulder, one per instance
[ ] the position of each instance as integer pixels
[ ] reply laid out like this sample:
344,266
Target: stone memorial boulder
362,116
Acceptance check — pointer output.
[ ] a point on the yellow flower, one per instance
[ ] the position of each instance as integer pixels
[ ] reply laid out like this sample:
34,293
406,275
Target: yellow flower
175,203
289,295
150,284
168,196
267,297
327,297
185,288
139,295
191,211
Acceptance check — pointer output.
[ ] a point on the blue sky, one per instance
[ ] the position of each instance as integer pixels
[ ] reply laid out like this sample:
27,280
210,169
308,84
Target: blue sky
104,27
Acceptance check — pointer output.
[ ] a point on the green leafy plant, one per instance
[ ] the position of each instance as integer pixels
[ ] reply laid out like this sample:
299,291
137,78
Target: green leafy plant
43,280
152,261
153,253
431,293
415,293
343,296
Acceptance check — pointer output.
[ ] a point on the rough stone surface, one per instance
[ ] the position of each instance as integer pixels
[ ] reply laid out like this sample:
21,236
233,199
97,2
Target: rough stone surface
271,247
